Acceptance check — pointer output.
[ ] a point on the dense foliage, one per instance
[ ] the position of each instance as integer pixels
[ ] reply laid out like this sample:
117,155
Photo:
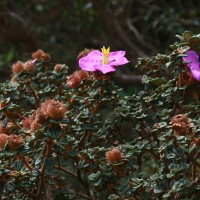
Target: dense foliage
76,137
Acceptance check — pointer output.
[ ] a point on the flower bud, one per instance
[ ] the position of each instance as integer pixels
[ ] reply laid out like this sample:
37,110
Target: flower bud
26,123
181,125
35,126
81,74
41,55
58,68
6,130
40,116
15,141
114,155
74,80
3,140
30,66
53,109
18,67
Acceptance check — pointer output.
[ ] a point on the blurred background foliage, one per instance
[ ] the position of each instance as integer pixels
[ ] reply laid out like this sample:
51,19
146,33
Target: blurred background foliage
63,28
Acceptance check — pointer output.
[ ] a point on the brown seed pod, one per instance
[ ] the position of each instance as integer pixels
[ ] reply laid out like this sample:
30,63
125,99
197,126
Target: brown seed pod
114,155
3,140
41,55
181,125
18,67
30,66
58,68
15,141
53,109
74,80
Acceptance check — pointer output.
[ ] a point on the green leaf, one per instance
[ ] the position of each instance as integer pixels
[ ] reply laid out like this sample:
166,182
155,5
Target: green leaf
179,37
146,196
82,164
35,172
10,186
54,132
158,190
158,81
186,35
18,164
165,196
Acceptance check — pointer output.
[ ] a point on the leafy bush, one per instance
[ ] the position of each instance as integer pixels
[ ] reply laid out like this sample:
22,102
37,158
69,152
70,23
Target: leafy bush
76,137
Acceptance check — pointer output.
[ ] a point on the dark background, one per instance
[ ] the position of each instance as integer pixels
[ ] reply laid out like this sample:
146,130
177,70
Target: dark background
65,27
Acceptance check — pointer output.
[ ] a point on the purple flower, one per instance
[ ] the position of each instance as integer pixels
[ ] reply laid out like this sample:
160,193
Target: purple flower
104,61
192,60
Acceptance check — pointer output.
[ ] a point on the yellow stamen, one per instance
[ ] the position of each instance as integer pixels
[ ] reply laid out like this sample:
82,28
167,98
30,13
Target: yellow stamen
105,54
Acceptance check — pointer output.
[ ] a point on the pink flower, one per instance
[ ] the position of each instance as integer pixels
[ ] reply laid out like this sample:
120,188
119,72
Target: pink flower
104,61
192,60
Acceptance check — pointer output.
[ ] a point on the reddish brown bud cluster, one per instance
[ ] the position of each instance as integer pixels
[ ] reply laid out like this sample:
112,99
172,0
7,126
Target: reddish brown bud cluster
49,109
26,123
74,80
6,130
15,141
35,126
53,109
30,66
18,67
58,68
84,53
3,140
4,135
114,155
41,55
35,120
7,137
40,116
27,66
181,125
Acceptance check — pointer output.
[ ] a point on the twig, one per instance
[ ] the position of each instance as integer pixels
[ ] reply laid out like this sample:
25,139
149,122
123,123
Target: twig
85,184
137,35
7,114
33,92
66,171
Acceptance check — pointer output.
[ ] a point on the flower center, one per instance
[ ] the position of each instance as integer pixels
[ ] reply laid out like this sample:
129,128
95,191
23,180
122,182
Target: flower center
105,54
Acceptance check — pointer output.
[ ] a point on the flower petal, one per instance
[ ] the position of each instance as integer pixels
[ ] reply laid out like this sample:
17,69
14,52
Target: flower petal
119,61
94,56
116,55
88,62
117,58
196,73
105,68
192,59
87,66
93,61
